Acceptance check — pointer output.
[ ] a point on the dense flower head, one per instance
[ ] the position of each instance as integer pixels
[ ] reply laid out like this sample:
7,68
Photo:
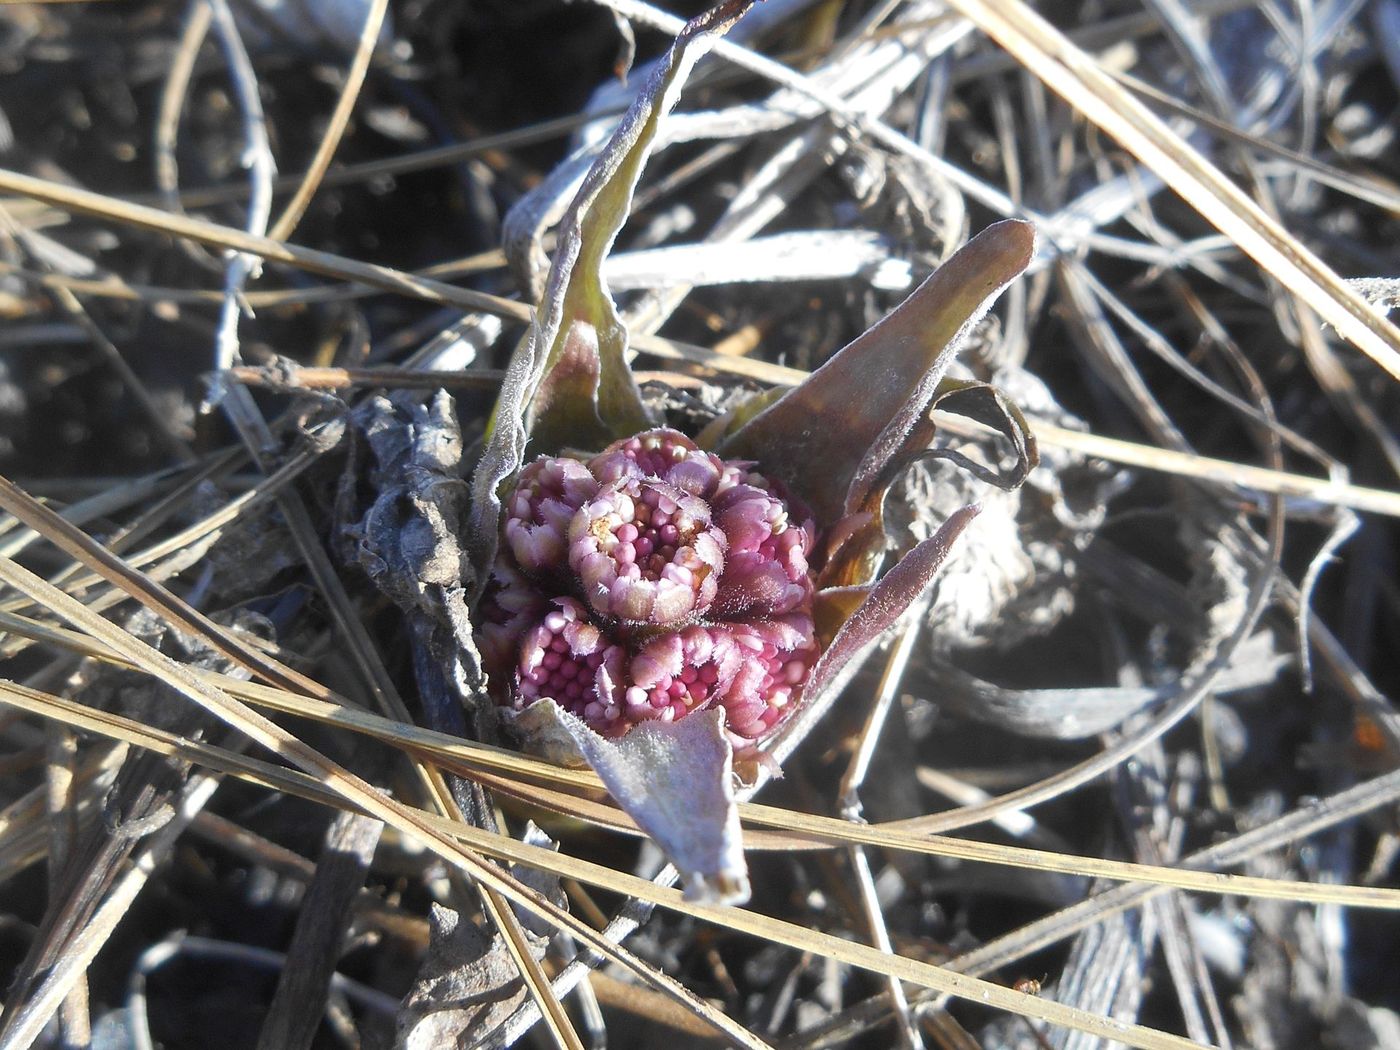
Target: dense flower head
651,581
646,552
546,496
664,455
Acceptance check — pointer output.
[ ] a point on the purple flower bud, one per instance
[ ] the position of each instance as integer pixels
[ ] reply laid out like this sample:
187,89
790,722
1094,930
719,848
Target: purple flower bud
775,657
509,605
680,672
538,513
654,581
567,659
665,455
646,553
766,563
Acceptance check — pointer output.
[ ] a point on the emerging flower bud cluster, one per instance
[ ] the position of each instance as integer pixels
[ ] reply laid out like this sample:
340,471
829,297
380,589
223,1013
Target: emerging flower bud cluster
651,581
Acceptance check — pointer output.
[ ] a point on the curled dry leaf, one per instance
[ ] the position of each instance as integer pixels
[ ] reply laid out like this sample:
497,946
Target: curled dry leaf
468,984
407,541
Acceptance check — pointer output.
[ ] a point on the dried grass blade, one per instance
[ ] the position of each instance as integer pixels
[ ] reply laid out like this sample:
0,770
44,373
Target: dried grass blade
798,829
139,215
158,599
344,786
1239,475
328,264
335,127
1077,78
292,782
23,1026
438,832
75,581
561,1029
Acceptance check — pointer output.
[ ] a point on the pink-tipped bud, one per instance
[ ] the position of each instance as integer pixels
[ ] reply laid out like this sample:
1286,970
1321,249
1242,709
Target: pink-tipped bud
645,552
662,455
508,607
568,660
548,494
775,657
766,569
680,672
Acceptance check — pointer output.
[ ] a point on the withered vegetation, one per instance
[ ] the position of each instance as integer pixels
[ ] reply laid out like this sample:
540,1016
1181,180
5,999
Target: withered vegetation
1126,774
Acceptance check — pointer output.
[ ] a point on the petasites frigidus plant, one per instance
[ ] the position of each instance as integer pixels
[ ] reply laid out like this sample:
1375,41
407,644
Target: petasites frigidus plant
677,612
649,582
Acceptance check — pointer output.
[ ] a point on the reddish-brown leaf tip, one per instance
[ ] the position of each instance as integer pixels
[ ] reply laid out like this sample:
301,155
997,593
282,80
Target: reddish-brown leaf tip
853,414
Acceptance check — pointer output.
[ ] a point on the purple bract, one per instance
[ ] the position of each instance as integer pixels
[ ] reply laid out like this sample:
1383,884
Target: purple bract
651,581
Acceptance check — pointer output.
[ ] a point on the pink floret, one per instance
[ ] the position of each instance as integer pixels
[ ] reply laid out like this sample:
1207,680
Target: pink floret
645,552
665,455
548,494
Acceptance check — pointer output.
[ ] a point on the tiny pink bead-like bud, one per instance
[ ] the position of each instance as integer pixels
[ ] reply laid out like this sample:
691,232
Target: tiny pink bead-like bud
646,552
766,568
510,604
665,455
548,494
680,672
741,472
566,658
775,657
